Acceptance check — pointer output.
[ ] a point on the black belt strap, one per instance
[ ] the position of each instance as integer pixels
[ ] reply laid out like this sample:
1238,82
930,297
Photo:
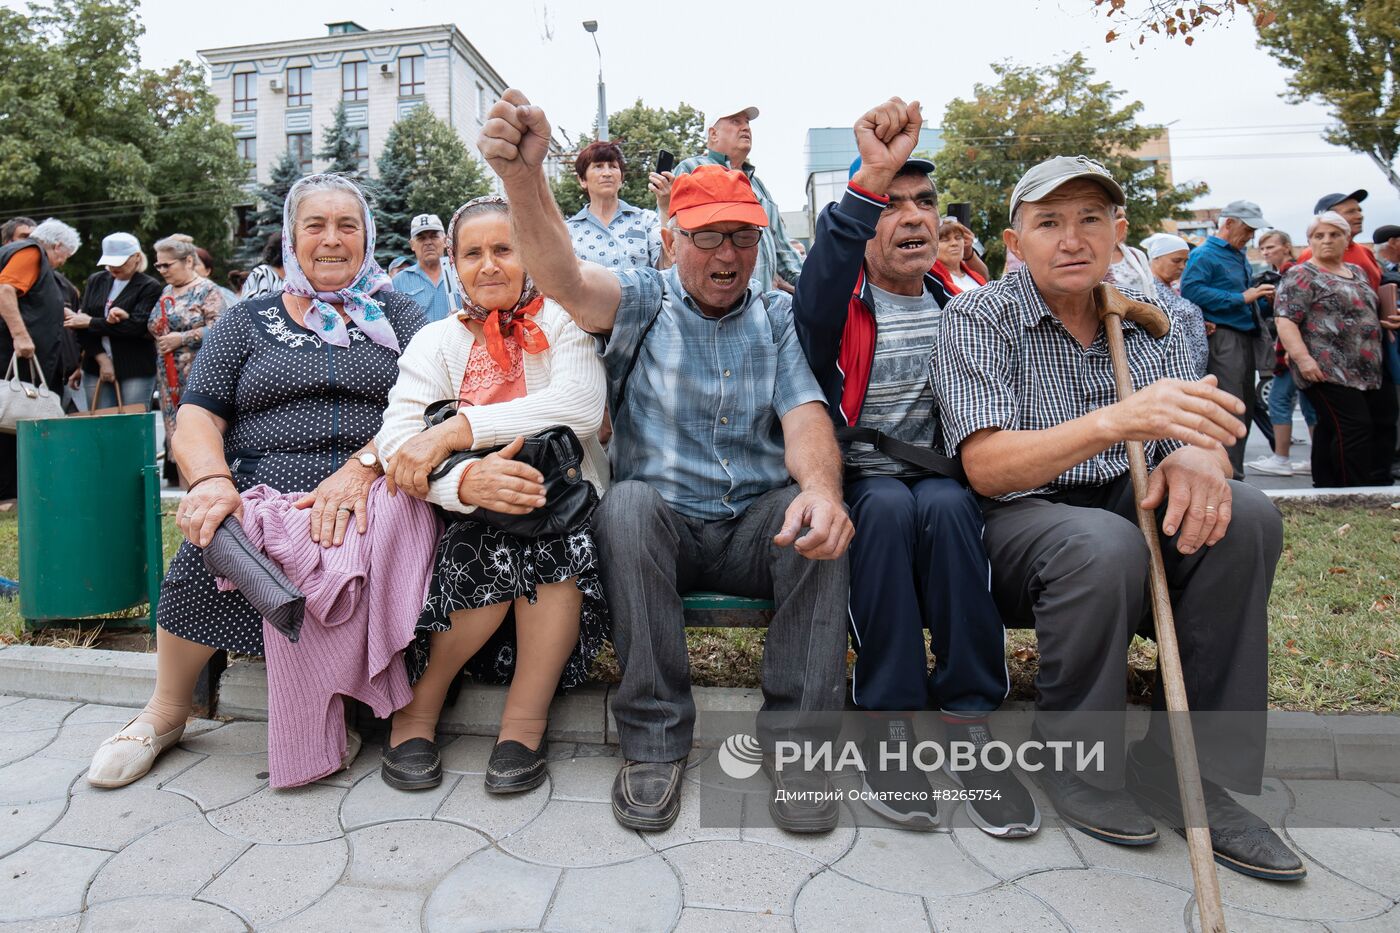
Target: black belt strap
922,457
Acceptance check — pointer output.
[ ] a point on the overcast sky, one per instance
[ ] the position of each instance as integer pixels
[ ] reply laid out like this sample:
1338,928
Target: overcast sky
820,63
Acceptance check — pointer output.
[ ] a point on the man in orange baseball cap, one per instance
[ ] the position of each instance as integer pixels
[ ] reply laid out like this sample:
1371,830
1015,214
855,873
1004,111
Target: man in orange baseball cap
726,473
728,142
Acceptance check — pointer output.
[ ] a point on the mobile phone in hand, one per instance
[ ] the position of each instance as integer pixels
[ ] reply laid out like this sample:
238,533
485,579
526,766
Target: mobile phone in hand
665,161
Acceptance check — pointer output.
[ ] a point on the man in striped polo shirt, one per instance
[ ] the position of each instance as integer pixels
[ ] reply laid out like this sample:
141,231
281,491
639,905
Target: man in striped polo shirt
867,311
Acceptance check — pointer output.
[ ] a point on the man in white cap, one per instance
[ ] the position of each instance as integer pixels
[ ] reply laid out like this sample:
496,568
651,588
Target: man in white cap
730,138
1027,398
1217,280
423,281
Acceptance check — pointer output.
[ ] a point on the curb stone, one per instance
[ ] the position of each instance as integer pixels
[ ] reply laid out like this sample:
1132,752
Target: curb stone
1302,745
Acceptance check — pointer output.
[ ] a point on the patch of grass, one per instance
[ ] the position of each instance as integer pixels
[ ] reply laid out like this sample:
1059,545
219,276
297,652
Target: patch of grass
89,634
1334,632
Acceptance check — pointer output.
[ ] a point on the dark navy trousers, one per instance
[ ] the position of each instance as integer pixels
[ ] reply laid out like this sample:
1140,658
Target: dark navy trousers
918,562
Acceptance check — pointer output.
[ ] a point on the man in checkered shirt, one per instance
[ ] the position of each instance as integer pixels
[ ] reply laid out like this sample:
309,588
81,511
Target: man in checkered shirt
1027,399
726,472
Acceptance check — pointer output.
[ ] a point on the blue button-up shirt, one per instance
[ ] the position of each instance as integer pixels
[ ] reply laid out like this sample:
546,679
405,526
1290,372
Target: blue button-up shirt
1215,279
433,299
631,240
700,420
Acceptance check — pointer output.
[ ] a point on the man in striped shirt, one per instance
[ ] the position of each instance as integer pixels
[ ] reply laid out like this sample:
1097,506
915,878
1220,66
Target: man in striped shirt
867,311
1027,396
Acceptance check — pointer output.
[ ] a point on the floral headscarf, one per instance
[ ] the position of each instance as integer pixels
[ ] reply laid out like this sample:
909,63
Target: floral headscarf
323,319
497,325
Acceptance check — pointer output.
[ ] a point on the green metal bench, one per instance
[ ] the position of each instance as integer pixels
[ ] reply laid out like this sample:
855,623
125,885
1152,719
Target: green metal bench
720,610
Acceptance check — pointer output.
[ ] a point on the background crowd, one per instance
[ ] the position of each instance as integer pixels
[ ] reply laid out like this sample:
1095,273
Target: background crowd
1305,327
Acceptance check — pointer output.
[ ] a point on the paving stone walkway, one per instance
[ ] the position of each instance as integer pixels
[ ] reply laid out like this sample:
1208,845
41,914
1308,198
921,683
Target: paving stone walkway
203,844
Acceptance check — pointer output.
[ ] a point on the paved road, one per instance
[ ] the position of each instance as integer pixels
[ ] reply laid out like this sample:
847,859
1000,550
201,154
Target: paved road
202,843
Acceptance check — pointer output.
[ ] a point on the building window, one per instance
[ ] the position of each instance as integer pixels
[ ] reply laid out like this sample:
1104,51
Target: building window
362,147
354,81
480,103
245,92
248,152
299,87
299,145
411,75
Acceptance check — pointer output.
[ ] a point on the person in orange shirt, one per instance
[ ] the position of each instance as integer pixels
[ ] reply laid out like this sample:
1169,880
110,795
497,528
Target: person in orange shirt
1349,206
31,307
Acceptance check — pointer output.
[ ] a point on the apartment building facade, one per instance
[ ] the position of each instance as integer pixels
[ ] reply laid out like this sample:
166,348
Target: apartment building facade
280,96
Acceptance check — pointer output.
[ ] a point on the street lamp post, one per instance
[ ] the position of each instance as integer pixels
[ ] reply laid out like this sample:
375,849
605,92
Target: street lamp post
591,25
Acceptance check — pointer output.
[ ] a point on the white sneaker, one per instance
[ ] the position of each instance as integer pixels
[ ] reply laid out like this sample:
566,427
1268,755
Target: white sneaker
129,754
1303,467
1271,465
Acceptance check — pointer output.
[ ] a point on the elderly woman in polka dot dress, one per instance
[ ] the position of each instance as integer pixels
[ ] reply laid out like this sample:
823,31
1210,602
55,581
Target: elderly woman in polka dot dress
288,390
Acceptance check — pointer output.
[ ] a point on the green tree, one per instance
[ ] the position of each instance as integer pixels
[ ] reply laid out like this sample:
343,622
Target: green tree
267,218
89,139
1344,54
340,145
425,169
1033,113
641,132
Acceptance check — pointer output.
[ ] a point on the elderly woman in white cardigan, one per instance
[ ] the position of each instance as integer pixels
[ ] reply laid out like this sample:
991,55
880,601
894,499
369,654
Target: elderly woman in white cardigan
517,364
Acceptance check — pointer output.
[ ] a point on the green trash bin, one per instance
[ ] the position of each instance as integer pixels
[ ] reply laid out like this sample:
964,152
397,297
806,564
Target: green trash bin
89,517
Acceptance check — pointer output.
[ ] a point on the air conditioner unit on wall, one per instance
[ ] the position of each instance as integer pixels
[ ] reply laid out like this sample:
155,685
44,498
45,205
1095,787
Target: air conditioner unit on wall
276,86
386,70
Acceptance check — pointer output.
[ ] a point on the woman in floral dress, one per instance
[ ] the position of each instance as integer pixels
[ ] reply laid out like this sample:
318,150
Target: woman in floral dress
188,307
1328,320
516,364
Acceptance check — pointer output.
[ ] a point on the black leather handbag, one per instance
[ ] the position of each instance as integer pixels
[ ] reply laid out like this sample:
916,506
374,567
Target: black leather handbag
557,453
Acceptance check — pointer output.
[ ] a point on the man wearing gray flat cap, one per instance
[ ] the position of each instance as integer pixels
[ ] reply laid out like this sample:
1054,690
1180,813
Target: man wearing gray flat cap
1217,278
1027,398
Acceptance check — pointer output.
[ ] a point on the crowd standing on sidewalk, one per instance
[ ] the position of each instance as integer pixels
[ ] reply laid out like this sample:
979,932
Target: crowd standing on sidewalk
541,433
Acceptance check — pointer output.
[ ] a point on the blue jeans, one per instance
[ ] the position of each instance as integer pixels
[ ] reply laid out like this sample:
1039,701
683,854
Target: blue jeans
135,389
1281,396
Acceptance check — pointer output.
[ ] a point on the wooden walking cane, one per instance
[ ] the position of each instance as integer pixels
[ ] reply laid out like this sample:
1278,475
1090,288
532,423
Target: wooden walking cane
1113,306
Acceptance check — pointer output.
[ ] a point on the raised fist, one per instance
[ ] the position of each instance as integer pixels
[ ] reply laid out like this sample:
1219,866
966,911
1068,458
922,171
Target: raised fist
886,137
515,139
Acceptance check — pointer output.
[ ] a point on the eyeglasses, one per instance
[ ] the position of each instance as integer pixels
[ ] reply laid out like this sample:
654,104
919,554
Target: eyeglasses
711,239
162,266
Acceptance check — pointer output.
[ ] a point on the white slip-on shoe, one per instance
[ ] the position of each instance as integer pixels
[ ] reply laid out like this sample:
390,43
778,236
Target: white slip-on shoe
352,748
129,754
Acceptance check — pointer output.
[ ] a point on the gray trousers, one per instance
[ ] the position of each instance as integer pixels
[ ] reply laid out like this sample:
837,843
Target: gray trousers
1234,364
651,554
1076,571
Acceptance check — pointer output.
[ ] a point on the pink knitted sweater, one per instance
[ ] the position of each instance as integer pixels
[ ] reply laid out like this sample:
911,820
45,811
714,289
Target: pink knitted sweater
363,600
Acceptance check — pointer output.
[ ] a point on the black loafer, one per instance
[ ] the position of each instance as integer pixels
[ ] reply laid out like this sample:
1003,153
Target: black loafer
802,801
1241,840
412,765
646,795
513,768
1107,815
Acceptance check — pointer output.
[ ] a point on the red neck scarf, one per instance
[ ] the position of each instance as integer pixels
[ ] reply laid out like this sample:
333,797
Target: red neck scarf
518,326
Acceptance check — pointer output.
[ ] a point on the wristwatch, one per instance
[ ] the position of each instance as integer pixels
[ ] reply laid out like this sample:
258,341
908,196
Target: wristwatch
368,459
